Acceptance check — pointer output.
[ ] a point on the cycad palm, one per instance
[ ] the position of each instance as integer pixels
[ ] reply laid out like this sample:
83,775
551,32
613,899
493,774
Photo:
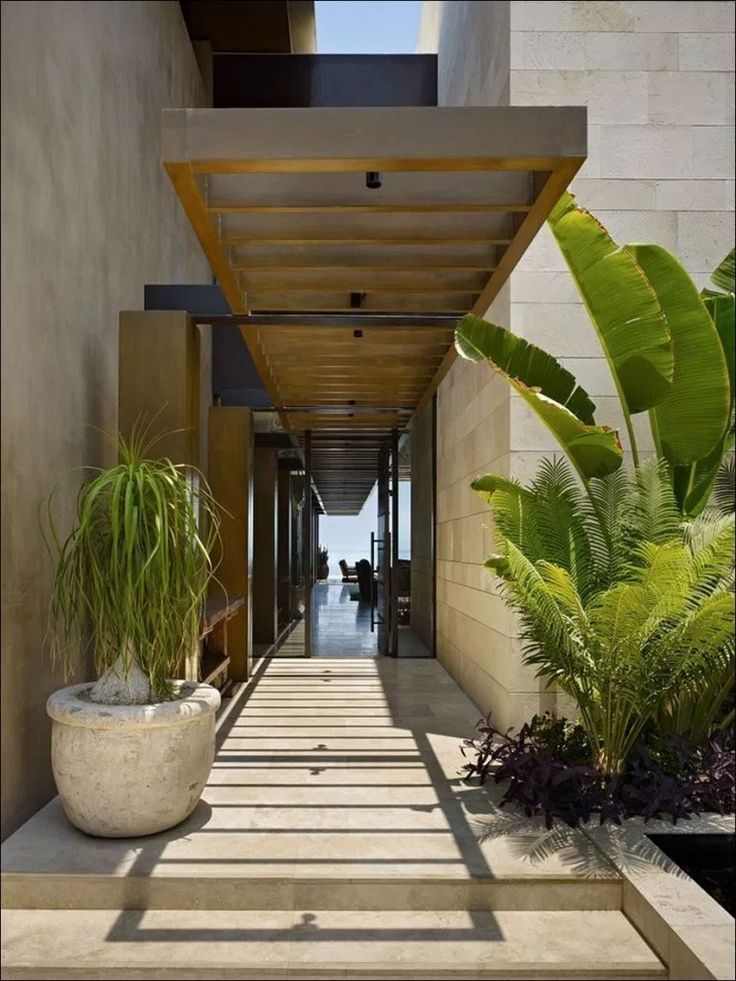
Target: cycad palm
626,609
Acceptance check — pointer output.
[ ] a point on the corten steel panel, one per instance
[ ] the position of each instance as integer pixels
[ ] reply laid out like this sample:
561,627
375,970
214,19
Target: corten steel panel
231,482
166,400
265,604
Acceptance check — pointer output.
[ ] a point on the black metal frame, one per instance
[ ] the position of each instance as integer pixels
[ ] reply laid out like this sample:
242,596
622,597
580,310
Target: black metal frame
393,645
307,534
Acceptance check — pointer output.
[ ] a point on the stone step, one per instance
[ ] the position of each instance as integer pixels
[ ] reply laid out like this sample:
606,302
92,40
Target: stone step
265,857
223,945
233,892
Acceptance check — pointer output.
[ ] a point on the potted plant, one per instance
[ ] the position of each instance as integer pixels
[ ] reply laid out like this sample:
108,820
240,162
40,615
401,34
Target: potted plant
131,753
323,569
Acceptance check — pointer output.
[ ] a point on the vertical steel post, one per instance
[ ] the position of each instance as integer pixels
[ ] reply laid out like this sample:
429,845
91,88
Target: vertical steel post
308,556
394,572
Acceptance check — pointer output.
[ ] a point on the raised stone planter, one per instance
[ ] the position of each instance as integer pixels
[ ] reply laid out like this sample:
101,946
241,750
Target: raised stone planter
690,931
130,770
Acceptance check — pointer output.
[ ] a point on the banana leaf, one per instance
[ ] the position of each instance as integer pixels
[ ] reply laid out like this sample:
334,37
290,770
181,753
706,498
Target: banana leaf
623,306
691,420
724,277
694,484
549,389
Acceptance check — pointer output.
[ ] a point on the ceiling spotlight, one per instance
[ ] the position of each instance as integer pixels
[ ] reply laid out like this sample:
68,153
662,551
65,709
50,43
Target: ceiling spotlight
372,179
357,333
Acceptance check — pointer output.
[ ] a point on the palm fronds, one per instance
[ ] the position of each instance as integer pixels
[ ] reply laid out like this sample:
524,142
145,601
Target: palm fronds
634,622
132,576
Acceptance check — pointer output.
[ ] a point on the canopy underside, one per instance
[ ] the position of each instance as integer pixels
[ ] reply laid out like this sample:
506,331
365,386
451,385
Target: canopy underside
279,201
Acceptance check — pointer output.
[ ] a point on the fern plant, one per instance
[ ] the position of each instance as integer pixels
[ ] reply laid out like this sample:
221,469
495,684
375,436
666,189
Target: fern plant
628,610
132,576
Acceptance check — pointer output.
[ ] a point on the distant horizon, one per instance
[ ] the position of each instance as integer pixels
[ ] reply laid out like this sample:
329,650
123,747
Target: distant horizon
349,538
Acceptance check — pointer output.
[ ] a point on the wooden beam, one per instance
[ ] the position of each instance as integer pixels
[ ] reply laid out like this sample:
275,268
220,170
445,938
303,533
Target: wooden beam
365,209
185,184
551,191
419,241
358,268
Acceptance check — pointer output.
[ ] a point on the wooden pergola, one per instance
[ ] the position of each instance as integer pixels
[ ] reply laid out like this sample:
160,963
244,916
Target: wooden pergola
348,241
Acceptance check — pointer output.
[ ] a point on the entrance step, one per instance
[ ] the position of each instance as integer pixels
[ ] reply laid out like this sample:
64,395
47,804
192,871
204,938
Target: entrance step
257,944
201,865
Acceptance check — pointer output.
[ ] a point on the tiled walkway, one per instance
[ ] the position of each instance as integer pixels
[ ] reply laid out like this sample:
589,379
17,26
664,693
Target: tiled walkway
334,839
341,627
330,769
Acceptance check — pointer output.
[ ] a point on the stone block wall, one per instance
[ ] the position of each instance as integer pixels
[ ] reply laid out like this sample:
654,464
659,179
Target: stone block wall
658,82
88,218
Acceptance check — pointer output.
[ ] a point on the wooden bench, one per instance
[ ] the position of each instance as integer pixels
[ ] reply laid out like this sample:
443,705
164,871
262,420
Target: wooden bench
213,633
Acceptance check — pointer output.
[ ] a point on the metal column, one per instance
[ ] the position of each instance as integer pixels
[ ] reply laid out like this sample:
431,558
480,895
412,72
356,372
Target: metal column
394,571
308,526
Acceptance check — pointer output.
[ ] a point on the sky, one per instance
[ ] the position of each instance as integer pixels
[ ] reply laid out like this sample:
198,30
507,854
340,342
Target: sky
367,26
350,538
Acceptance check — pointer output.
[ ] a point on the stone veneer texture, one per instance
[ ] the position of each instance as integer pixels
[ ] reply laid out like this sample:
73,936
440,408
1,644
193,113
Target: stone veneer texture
658,81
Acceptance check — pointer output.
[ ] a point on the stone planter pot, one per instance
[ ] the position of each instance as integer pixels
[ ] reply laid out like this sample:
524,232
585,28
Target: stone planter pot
129,770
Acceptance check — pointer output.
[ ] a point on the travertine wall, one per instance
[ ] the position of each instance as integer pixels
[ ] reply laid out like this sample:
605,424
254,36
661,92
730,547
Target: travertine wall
88,218
422,526
658,82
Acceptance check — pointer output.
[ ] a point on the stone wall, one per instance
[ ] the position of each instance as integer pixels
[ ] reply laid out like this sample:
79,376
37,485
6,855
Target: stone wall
422,526
88,218
658,82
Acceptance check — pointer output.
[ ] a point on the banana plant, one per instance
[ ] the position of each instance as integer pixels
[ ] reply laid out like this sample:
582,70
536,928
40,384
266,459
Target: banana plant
667,346
551,391
695,482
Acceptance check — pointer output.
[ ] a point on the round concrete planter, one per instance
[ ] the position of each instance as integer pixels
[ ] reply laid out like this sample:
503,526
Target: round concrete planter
129,770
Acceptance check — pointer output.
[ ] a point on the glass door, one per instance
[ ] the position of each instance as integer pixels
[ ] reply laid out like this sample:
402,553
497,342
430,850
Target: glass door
381,559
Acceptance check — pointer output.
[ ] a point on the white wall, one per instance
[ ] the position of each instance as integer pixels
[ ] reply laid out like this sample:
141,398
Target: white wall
88,217
658,82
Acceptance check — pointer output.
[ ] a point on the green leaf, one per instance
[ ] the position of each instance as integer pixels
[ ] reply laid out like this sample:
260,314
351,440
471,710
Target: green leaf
722,308
594,450
479,340
725,275
694,484
489,484
622,305
691,419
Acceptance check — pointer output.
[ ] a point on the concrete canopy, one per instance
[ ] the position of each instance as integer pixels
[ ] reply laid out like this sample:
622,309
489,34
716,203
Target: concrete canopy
346,294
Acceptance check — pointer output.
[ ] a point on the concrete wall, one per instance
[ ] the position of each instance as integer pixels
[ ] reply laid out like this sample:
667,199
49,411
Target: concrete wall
658,82
88,218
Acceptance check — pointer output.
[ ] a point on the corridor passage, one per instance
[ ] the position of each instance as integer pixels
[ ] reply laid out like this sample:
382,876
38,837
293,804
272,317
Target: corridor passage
334,839
341,626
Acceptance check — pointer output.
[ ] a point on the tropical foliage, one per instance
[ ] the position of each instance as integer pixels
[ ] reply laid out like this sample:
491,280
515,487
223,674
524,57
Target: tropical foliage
623,582
669,348
628,610
132,576
545,769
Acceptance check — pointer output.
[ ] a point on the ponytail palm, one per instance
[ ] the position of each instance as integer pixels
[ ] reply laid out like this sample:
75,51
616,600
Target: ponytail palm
132,576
